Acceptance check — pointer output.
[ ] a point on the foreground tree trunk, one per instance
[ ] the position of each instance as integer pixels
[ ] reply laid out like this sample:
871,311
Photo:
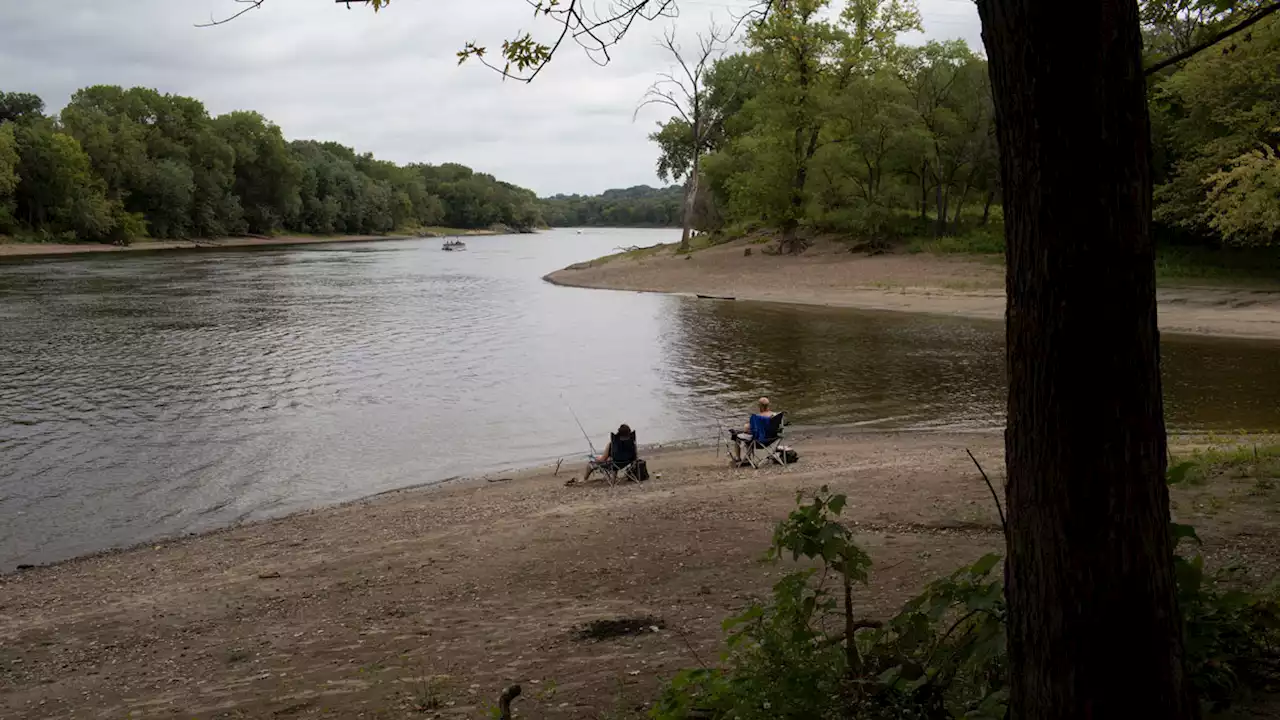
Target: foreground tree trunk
1094,630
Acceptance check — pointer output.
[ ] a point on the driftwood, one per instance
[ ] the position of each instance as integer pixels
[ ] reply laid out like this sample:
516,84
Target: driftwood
505,700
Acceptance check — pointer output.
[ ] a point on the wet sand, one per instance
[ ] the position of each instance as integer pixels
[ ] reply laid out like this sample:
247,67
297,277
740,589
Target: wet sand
828,274
442,596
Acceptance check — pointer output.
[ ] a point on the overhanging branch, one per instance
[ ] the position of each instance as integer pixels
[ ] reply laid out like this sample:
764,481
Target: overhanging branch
1253,19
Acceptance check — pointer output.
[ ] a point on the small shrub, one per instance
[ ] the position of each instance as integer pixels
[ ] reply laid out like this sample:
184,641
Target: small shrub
804,655
987,240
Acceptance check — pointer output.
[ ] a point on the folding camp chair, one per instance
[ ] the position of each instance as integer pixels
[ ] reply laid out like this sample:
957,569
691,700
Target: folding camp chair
765,444
623,463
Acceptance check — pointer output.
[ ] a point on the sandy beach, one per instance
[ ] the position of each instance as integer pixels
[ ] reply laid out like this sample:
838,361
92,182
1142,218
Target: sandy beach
21,250
827,274
429,602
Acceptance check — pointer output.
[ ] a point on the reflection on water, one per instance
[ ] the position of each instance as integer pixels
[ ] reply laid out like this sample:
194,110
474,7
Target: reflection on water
840,366
151,395
884,369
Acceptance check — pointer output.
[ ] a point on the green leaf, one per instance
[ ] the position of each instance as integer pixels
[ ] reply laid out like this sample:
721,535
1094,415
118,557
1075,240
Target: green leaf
1182,532
836,504
1179,472
984,565
752,613
1189,574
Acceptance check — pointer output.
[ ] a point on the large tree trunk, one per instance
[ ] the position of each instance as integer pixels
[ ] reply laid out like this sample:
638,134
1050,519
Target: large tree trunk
1094,629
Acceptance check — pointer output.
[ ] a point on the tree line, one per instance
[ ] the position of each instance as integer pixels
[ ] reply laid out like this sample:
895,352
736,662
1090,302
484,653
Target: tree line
826,122
118,164
639,206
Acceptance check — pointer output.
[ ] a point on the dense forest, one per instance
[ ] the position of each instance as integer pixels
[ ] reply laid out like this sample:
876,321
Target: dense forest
120,164
640,206
827,123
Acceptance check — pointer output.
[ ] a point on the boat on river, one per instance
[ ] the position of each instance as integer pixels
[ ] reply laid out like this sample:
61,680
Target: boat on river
453,245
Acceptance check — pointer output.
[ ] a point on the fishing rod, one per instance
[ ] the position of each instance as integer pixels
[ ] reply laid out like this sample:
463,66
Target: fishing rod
584,430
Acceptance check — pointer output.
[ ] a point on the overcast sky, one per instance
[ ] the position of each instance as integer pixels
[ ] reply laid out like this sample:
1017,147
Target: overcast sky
387,84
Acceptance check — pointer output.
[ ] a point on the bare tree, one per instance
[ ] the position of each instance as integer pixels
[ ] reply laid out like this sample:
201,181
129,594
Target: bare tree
682,89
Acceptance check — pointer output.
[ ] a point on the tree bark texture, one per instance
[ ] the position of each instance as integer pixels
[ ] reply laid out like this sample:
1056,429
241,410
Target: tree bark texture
1094,629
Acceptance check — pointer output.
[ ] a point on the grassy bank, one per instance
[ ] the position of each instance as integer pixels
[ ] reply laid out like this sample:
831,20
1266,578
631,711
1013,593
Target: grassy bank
1176,265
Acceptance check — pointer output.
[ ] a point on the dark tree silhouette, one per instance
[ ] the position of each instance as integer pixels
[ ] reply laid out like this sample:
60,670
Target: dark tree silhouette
1094,629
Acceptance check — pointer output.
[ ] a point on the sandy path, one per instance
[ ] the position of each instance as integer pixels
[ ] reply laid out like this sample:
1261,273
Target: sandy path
923,283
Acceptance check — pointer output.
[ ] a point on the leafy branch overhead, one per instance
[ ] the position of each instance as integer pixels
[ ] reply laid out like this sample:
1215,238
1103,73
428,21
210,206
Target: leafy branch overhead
582,22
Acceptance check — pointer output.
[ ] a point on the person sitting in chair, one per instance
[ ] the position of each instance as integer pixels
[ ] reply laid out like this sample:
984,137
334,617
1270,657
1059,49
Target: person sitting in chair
619,453
742,437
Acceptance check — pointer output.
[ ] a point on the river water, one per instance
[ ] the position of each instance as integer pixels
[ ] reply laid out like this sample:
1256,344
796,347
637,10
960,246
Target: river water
144,395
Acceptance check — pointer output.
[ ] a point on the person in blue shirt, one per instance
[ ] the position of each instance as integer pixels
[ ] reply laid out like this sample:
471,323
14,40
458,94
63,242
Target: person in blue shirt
742,437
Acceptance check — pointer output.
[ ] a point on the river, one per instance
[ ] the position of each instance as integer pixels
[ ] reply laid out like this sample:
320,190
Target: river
147,395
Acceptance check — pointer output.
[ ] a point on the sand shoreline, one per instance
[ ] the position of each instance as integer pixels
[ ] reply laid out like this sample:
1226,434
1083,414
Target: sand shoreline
829,275
38,250
468,586
480,582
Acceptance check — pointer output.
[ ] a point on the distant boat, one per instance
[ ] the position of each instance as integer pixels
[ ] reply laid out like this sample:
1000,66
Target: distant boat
579,232
451,245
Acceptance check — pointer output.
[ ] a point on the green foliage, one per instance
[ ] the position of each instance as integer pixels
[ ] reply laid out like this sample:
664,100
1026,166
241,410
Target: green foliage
828,124
986,240
825,123
1231,459
8,176
640,206
1215,129
57,192
20,107
123,163
804,655
943,655
1232,634
1243,202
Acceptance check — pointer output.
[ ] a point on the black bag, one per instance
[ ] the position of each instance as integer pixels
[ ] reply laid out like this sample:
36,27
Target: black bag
640,470
790,455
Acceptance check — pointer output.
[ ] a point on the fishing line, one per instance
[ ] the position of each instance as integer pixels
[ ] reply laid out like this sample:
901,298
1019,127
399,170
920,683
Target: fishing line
579,422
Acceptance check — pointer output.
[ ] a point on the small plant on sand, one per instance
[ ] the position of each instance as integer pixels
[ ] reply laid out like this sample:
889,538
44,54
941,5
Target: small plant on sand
1234,458
805,655
426,692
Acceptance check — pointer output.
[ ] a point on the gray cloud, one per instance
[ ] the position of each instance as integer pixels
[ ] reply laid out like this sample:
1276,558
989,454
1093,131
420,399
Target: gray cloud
386,83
